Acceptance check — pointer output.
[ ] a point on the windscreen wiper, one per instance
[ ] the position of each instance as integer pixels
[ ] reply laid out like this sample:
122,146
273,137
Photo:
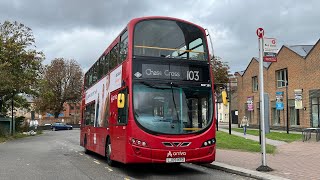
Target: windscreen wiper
174,102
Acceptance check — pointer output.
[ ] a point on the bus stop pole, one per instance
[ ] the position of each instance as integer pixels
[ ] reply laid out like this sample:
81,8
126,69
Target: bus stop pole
264,166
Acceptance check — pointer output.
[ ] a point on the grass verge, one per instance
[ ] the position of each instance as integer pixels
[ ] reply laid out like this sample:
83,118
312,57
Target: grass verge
280,136
16,136
227,141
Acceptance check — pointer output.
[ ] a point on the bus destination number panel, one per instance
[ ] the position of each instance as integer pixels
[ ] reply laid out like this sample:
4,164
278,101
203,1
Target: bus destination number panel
171,72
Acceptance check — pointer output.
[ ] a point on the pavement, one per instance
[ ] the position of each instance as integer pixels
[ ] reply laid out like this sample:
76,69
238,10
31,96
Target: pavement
296,160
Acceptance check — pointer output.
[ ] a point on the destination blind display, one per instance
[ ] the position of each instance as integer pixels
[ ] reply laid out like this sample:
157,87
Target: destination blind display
174,72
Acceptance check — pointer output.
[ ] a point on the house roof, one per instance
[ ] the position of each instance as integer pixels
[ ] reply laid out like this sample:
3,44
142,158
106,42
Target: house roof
301,50
265,65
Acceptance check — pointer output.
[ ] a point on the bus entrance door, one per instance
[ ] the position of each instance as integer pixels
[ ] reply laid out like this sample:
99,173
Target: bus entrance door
118,127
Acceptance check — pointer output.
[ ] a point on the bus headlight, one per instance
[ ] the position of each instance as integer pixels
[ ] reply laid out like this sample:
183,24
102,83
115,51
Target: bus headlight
138,142
209,142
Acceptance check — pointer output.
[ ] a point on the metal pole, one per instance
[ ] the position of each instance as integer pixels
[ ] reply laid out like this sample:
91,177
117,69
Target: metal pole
217,123
229,106
12,113
262,104
287,107
264,166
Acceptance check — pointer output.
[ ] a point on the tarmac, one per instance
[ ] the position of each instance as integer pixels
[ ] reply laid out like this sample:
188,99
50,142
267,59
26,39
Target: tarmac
296,160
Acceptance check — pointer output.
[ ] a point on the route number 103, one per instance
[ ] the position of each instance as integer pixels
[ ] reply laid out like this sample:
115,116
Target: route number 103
193,75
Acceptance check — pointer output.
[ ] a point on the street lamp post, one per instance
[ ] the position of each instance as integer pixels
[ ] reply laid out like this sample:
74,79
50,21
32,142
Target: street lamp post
287,106
12,126
229,106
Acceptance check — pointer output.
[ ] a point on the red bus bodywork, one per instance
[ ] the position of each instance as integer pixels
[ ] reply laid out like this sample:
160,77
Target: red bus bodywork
125,137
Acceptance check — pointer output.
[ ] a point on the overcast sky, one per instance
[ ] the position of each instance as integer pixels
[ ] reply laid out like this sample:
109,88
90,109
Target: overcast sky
82,29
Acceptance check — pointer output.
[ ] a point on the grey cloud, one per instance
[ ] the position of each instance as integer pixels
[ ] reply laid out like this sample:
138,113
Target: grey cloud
86,27
291,22
65,14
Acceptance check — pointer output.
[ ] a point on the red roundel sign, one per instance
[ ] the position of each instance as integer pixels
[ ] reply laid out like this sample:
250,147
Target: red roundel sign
260,32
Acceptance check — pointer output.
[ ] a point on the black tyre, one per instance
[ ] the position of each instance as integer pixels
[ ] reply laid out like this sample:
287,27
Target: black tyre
108,152
86,151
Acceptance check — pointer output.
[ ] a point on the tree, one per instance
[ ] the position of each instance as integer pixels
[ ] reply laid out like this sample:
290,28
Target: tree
62,82
220,71
19,61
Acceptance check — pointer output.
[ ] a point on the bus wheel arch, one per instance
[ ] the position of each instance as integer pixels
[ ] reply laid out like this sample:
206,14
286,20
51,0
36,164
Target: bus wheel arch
108,151
85,141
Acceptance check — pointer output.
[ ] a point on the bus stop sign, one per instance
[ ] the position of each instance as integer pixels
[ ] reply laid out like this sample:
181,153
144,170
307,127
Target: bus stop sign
260,32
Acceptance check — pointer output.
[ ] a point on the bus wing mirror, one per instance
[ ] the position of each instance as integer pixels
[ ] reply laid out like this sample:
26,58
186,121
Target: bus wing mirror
121,100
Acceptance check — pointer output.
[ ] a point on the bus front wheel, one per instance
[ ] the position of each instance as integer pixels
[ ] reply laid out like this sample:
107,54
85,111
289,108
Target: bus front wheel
110,162
86,151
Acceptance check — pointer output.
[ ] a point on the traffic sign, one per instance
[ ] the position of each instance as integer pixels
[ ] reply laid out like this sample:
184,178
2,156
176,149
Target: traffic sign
270,50
270,45
260,32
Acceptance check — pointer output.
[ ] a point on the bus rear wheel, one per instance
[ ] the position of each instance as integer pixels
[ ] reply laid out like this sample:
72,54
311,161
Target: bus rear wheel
108,152
86,151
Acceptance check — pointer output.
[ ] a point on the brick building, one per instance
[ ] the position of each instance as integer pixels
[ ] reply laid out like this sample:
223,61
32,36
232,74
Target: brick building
70,114
297,69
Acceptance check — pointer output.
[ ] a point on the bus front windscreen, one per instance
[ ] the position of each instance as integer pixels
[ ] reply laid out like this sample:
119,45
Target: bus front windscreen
168,109
169,39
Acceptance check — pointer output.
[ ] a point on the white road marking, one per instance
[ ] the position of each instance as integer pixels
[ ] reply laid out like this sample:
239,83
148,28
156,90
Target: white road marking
97,162
81,154
110,170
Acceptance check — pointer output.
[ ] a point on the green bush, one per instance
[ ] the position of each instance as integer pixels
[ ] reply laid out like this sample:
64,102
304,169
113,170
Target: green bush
20,124
2,132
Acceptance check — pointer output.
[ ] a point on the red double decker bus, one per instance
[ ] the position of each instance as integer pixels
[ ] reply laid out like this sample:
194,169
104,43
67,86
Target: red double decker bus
149,97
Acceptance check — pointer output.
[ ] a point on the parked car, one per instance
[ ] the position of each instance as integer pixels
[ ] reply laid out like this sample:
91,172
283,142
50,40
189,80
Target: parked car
60,126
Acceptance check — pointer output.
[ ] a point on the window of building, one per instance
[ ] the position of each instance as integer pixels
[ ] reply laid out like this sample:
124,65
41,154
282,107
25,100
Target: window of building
254,83
315,105
275,116
282,78
294,115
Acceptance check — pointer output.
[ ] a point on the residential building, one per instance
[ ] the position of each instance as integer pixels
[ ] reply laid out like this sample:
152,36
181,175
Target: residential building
294,75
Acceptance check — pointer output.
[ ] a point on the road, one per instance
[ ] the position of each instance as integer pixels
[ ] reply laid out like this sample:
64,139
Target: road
57,155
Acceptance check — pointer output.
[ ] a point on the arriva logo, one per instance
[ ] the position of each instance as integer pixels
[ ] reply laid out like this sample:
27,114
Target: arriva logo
180,153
